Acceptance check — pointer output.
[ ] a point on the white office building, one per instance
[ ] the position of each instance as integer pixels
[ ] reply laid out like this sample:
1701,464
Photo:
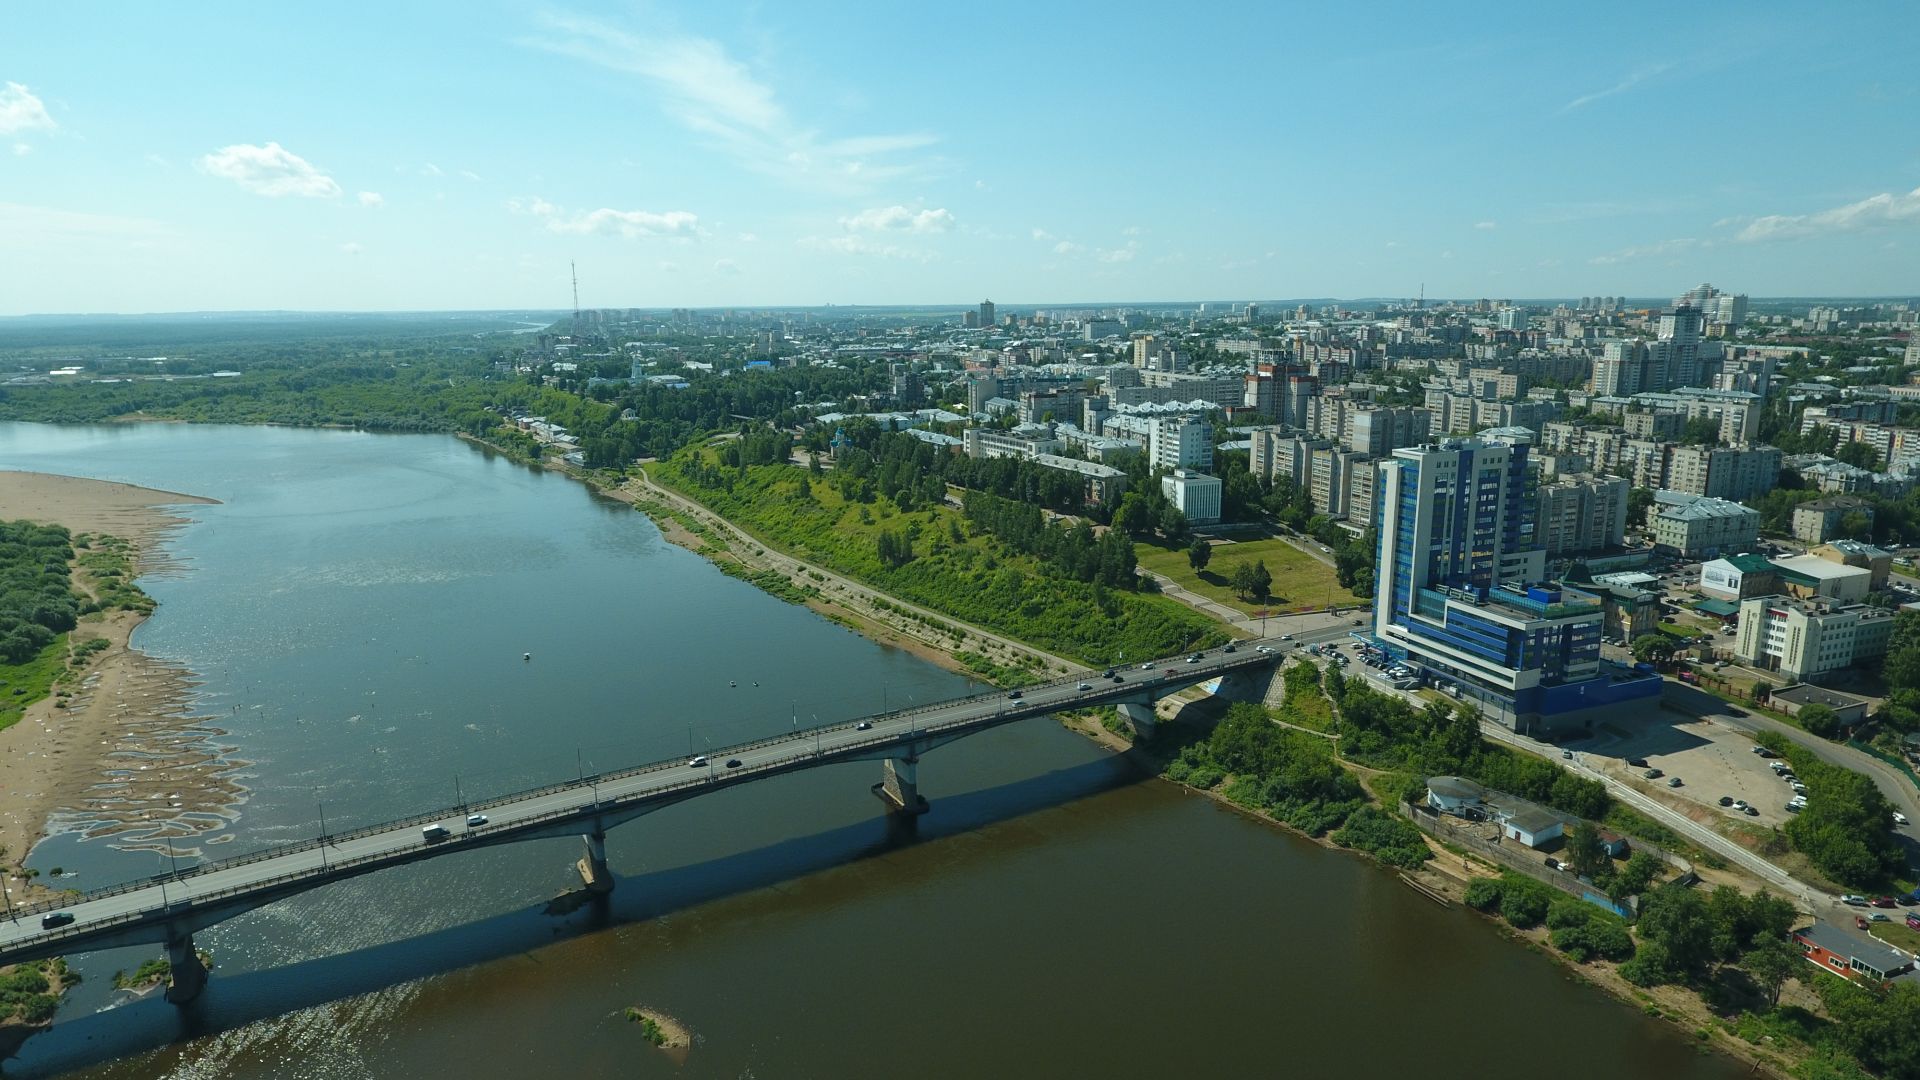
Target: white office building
1195,494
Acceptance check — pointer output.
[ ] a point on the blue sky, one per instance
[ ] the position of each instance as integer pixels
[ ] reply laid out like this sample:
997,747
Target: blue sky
429,156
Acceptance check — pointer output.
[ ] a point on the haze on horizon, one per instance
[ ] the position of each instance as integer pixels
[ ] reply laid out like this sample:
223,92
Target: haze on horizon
456,157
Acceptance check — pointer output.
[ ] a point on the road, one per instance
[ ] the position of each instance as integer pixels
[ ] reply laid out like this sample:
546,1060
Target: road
211,892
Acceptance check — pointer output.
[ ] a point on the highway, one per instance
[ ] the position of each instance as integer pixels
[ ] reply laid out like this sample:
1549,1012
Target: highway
155,908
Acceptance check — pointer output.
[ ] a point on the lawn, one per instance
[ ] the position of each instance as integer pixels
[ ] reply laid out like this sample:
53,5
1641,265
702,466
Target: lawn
1300,581
1678,630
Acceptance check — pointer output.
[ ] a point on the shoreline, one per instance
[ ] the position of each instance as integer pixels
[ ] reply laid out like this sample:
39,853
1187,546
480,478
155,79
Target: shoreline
59,764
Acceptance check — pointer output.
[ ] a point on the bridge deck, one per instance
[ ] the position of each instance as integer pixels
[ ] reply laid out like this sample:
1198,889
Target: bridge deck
150,909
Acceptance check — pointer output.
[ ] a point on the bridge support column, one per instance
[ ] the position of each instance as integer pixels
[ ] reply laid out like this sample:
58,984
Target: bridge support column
187,976
1140,717
899,786
593,869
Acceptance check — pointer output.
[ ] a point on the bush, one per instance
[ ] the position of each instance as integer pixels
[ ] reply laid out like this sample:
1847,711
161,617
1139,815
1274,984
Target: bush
1390,839
1484,894
1523,908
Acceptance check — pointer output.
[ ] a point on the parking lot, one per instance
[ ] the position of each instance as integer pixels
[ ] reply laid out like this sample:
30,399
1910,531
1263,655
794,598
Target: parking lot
1711,761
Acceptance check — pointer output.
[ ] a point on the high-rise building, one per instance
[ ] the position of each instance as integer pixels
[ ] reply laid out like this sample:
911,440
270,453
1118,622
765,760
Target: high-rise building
1179,443
1458,594
986,313
1675,356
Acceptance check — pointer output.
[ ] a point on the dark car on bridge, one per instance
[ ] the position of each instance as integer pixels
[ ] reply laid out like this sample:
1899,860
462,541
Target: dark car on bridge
57,919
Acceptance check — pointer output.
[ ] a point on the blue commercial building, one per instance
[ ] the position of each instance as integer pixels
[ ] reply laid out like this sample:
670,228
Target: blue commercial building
1459,596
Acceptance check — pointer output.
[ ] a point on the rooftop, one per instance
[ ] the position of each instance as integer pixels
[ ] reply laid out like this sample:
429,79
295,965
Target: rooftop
1701,508
1805,694
1813,566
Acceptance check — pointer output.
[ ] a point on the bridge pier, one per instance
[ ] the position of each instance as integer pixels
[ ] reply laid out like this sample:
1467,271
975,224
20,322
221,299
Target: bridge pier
186,975
1140,717
899,786
593,869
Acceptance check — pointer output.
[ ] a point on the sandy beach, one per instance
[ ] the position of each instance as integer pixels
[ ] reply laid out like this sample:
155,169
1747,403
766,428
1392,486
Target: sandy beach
122,755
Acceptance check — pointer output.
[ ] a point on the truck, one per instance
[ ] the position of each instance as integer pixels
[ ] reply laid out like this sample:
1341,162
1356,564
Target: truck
434,833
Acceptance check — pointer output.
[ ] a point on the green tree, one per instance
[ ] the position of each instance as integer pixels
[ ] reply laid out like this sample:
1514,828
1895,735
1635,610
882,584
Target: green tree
1199,553
1261,581
1701,431
1585,851
1634,878
1653,648
1771,963
1819,720
1858,453
1639,501
1676,919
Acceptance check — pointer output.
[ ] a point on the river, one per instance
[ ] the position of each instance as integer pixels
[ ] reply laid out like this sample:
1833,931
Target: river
358,606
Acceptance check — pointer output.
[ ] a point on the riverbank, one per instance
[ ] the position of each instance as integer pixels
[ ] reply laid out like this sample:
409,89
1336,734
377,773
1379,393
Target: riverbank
1446,877
57,763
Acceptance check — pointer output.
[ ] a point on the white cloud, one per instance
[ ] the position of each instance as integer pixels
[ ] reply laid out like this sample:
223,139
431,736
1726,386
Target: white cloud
1119,255
1632,80
430,169
21,112
270,170
1042,235
470,174
726,266
630,224
372,198
1132,230
981,185
710,93
899,218
1648,251
1871,212
747,238
350,248
21,149
1486,224
1066,247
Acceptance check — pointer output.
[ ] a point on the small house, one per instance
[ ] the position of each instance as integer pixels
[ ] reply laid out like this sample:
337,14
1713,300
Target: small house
1851,955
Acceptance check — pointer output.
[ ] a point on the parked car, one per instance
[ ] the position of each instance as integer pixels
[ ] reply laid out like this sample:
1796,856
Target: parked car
1879,916
1860,922
1899,818
1726,800
1752,810
1853,900
1674,782
1653,774
1637,762
1883,902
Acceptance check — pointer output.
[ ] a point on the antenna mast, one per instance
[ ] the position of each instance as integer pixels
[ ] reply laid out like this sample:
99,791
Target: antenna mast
576,290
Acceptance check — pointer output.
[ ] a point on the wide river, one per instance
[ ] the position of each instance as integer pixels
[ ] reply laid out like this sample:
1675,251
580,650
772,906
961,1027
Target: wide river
358,606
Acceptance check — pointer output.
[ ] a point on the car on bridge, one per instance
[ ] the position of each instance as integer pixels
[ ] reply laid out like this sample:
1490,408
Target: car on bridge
1084,686
474,821
733,763
864,725
698,761
55,920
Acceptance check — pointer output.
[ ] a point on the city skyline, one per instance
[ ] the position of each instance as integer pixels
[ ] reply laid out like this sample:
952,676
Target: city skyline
458,158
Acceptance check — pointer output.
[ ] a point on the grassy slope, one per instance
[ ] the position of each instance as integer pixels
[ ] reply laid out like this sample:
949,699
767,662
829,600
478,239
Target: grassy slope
1299,579
975,577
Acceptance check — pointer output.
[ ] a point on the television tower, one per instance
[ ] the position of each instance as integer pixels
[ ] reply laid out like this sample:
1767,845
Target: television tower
576,291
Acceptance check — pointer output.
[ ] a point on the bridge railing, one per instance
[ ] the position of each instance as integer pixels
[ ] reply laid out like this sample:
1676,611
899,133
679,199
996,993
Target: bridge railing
295,847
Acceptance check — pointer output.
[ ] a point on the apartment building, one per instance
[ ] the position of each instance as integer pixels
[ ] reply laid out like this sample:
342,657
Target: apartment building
1804,638
1581,513
1699,526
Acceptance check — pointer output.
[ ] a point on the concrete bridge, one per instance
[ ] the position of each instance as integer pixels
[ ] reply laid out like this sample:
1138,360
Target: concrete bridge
169,909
